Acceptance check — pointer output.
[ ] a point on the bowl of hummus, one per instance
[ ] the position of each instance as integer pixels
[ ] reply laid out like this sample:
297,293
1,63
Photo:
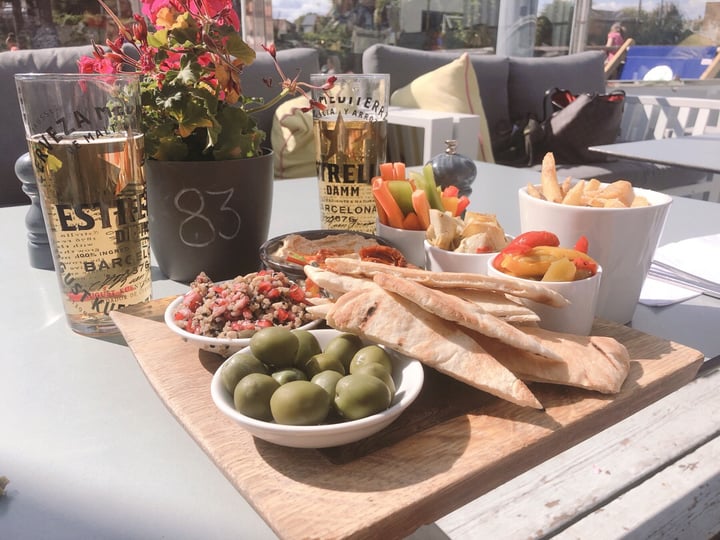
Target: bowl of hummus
288,253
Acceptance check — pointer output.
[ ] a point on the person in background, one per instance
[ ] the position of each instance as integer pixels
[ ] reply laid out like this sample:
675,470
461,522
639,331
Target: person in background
11,42
615,39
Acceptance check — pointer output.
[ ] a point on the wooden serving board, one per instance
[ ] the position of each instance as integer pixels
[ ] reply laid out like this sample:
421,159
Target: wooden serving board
450,446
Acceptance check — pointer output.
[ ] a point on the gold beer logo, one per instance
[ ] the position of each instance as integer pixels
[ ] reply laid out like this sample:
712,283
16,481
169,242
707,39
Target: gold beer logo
358,107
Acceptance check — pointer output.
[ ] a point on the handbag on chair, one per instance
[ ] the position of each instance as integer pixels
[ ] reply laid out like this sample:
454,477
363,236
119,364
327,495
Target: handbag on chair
572,123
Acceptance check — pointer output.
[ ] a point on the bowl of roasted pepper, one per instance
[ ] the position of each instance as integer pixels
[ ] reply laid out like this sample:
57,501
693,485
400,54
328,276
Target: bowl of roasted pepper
537,256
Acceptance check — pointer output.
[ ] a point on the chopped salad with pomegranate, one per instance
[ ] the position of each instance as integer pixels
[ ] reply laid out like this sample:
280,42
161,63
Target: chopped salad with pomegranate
239,307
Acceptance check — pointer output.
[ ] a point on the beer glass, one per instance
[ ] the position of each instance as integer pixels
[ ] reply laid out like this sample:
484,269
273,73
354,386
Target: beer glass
350,144
86,146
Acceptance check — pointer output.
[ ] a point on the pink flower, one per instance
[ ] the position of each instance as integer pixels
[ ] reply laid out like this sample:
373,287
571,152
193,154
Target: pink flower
91,64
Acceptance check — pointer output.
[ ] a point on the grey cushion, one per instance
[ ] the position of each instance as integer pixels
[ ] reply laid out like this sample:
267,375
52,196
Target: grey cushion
64,60
12,135
405,65
529,78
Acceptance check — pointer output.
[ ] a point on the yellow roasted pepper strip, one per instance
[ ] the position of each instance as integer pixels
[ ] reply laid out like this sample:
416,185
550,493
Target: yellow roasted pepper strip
534,263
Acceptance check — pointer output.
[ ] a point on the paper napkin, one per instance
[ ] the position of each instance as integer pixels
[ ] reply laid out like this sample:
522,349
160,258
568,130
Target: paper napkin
659,293
699,256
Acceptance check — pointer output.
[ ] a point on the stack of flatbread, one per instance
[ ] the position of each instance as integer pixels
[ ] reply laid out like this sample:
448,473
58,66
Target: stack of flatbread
469,326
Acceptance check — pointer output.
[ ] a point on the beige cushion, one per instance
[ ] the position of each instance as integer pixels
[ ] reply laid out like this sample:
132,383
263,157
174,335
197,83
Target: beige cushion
292,140
450,88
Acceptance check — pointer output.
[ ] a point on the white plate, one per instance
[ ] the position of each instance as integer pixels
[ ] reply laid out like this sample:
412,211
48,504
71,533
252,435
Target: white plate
408,376
222,346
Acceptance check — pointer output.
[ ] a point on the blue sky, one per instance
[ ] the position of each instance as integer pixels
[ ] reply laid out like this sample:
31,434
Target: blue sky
292,9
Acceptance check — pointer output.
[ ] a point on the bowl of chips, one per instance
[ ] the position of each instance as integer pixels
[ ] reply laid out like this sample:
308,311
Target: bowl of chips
622,224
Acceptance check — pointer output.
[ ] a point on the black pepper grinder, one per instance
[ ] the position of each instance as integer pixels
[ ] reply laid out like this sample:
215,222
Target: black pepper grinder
453,169
38,243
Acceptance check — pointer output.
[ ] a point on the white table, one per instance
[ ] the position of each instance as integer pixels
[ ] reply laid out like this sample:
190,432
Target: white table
91,452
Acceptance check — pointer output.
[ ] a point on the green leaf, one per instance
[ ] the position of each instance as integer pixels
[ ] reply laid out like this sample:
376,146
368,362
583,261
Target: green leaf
190,117
240,136
239,49
157,39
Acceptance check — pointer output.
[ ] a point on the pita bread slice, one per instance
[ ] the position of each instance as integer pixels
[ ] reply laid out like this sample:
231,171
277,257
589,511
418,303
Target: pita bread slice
592,362
496,304
455,310
335,284
456,280
392,321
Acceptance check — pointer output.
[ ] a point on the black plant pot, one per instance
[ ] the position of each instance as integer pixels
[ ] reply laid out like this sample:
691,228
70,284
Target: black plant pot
209,216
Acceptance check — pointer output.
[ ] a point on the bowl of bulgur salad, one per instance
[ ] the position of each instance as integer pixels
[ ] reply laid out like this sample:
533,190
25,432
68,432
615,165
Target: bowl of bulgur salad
221,317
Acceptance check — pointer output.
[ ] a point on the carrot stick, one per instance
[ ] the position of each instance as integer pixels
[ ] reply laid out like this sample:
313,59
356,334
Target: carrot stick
399,170
382,216
386,171
388,204
412,222
422,208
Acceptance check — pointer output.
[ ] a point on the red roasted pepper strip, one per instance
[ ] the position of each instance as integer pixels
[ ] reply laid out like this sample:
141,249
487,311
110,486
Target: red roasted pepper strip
523,243
583,264
463,203
296,258
582,244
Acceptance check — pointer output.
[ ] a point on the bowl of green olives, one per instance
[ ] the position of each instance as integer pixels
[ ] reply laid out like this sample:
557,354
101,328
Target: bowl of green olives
314,388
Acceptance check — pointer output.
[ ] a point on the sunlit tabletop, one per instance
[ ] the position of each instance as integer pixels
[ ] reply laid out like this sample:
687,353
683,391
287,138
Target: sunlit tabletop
694,152
91,451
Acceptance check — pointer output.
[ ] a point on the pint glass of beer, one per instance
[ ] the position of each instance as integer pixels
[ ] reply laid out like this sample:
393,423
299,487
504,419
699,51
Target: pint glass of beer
350,144
86,145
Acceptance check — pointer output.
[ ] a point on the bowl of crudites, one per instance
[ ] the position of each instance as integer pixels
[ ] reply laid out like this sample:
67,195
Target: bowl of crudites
221,317
314,388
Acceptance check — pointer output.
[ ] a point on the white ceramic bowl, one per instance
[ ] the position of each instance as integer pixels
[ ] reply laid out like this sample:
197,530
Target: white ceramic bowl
576,318
621,240
222,346
443,260
408,376
410,243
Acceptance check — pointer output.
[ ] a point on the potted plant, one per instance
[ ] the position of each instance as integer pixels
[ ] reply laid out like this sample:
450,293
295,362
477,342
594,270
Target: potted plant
209,178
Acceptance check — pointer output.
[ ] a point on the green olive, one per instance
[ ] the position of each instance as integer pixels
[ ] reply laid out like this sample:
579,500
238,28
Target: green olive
343,347
275,346
300,403
327,379
308,346
377,370
371,354
238,366
323,362
360,395
285,376
252,395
